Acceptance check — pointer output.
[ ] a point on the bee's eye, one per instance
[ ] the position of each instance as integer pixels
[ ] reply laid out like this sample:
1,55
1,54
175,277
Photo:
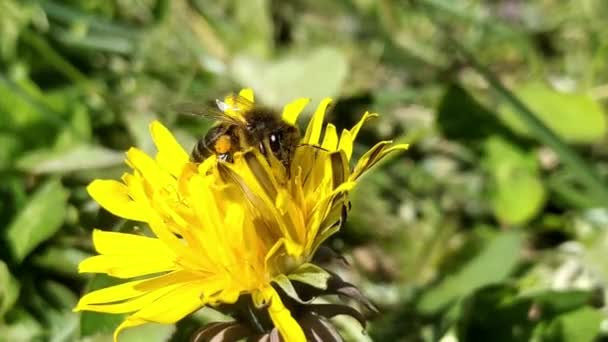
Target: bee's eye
274,141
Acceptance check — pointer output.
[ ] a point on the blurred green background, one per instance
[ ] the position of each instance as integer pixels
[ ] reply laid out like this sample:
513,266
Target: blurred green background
492,226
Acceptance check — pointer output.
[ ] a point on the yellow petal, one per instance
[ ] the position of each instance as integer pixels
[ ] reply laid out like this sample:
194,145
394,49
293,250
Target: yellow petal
347,138
128,323
313,131
256,171
274,252
135,288
328,211
174,305
315,178
330,140
207,208
188,257
338,167
247,93
136,187
355,130
375,154
251,173
126,266
324,236
346,143
227,296
293,110
130,305
171,156
149,168
292,214
114,197
129,244
287,326
233,224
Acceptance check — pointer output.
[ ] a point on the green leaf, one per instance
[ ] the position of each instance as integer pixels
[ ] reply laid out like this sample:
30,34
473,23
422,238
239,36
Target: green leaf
494,311
311,274
16,15
74,15
78,131
23,327
10,146
14,186
459,111
553,302
150,332
97,323
256,23
580,325
575,117
9,289
42,216
587,176
63,325
59,295
314,74
518,192
286,285
499,313
16,112
493,264
77,158
518,196
61,260
58,304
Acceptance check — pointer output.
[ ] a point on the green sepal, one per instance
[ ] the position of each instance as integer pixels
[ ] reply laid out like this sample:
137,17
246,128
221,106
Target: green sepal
287,287
312,275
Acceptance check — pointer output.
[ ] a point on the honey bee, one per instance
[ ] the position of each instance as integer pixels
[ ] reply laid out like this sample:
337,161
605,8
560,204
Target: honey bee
242,124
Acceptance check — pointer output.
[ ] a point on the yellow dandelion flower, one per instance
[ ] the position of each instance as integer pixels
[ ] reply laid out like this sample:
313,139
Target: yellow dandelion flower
223,230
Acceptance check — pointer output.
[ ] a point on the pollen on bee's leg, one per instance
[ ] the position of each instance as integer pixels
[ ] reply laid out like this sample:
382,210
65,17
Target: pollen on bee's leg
223,144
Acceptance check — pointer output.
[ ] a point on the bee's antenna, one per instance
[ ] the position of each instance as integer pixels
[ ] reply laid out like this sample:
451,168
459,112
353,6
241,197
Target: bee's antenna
313,146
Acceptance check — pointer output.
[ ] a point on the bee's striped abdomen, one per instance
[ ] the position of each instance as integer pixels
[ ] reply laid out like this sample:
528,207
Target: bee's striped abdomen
200,151
219,140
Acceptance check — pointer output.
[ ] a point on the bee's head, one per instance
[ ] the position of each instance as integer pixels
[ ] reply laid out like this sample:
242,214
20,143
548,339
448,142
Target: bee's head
283,142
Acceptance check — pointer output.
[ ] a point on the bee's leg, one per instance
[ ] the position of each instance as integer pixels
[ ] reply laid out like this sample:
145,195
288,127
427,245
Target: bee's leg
262,148
225,157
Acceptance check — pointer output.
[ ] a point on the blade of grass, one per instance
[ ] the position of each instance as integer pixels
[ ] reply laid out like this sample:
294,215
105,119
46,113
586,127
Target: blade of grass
562,184
55,59
66,14
586,176
35,101
95,42
101,34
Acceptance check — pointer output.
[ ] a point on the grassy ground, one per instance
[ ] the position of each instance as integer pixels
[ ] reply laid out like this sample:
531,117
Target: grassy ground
493,225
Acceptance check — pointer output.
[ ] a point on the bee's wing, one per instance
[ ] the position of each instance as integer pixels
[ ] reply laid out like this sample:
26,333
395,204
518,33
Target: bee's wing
206,112
234,105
